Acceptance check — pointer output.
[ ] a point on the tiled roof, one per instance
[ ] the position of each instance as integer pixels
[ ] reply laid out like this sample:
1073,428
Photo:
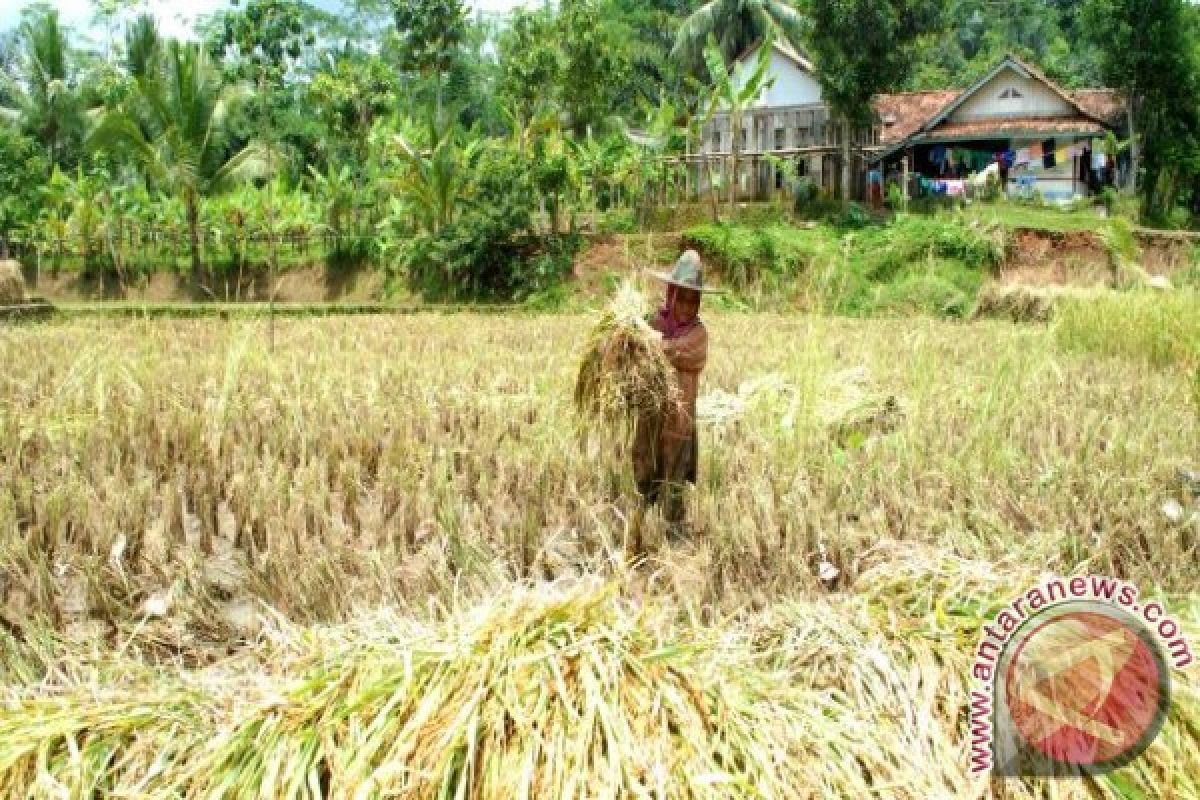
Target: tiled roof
1104,104
990,128
903,114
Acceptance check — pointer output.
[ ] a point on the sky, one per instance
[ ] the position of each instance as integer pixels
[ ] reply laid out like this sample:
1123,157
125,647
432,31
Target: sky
174,17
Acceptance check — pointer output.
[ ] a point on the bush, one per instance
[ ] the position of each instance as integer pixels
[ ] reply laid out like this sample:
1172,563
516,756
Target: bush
1108,199
490,251
748,255
933,204
812,203
991,189
939,287
911,238
618,220
853,217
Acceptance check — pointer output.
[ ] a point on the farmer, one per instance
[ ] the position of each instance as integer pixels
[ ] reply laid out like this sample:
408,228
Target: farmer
665,450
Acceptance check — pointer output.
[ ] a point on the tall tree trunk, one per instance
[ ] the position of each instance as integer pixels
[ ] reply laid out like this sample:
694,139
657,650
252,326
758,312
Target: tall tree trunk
193,222
846,161
712,190
735,146
437,113
1133,147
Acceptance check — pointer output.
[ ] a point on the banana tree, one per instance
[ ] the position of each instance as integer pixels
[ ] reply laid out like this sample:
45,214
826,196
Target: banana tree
594,161
734,93
435,180
336,194
85,221
53,227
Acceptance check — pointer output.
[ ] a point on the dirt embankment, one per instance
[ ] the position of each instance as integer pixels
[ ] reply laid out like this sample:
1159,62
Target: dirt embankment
313,284
621,255
1045,258
1082,259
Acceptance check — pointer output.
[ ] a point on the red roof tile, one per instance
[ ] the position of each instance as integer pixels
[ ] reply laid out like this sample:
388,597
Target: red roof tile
989,128
1104,104
904,113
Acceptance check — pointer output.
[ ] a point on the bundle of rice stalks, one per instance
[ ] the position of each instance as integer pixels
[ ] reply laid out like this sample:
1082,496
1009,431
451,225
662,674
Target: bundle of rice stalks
1015,303
539,695
854,411
12,284
624,374
719,406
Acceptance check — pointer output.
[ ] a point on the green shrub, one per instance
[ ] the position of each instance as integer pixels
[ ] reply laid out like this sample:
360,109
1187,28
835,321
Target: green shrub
932,204
938,287
1108,199
853,217
885,251
619,220
747,255
991,189
811,203
490,249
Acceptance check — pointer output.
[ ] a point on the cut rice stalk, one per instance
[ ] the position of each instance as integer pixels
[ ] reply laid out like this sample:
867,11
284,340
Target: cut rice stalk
624,374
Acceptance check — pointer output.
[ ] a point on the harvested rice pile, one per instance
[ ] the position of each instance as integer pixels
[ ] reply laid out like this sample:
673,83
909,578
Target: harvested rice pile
624,373
538,696
578,694
12,284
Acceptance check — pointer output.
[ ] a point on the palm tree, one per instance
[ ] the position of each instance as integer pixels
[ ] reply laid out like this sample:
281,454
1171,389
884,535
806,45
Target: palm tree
47,105
175,130
736,24
734,96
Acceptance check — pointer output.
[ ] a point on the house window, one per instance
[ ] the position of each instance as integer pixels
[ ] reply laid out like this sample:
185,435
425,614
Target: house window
1010,94
743,138
780,138
716,141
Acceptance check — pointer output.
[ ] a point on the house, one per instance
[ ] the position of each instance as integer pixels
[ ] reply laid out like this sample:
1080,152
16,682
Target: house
1014,122
789,123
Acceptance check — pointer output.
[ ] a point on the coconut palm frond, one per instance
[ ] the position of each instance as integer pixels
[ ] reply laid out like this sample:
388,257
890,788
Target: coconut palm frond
247,164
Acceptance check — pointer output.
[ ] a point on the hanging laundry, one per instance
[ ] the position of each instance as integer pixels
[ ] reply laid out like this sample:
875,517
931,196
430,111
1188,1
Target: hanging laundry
1097,154
1035,151
1048,160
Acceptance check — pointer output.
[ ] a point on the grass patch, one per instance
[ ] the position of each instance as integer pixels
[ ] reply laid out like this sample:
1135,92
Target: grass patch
768,255
1159,328
1015,216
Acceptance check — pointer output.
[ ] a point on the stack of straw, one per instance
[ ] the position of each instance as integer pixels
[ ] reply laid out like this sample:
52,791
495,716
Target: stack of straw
12,284
624,374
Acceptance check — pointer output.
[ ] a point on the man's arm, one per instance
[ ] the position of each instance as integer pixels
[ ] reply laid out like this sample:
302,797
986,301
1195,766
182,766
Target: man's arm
689,352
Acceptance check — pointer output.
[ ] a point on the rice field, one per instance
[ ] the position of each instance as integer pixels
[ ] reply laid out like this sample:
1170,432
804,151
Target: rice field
385,559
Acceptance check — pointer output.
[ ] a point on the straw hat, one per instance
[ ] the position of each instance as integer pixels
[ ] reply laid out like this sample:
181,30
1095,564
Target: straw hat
688,273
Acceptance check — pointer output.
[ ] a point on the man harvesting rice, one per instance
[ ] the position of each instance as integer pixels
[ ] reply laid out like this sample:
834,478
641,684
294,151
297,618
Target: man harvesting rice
665,451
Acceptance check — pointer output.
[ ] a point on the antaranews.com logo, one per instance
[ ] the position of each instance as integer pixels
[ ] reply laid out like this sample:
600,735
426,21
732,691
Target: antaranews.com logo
1072,678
